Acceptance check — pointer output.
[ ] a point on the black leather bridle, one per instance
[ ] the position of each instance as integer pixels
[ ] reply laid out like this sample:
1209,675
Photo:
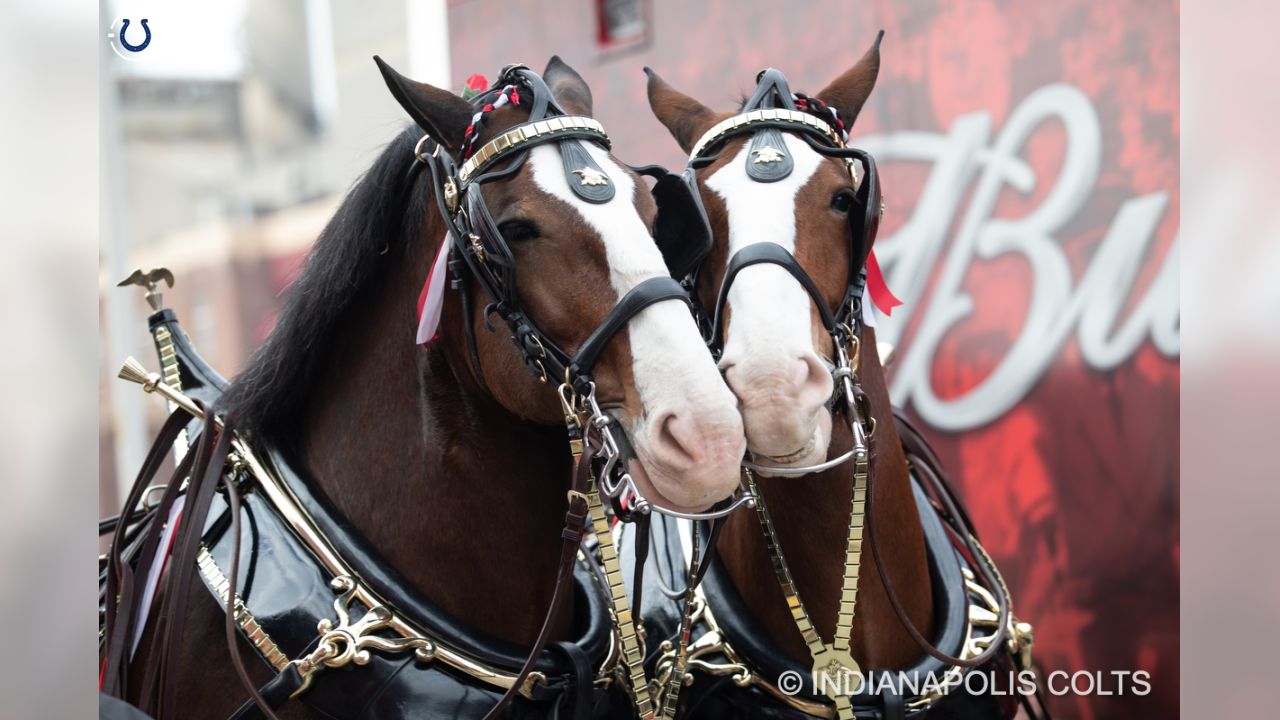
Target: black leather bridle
770,111
480,253
478,245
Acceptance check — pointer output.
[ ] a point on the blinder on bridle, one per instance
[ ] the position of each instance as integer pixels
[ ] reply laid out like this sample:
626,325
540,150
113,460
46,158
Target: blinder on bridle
768,113
479,247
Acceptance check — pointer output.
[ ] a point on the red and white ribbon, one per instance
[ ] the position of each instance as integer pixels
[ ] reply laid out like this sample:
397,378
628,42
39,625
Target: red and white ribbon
877,292
508,94
157,568
431,299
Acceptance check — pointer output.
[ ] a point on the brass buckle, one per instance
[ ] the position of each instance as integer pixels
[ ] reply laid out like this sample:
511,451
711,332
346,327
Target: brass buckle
476,246
532,679
855,347
451,195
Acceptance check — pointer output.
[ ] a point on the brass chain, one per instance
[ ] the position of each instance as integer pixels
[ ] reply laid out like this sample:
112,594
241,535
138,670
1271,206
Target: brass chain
628,629
833,662
676,674
627,623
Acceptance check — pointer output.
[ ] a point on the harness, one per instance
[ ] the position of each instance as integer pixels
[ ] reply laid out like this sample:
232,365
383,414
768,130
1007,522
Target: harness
599,453
318,593
738,668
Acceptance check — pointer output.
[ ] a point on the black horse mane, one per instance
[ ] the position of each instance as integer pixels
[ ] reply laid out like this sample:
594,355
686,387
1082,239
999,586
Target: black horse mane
383,208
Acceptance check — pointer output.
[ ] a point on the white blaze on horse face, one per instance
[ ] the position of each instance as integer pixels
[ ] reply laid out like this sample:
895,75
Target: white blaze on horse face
769,358
689,438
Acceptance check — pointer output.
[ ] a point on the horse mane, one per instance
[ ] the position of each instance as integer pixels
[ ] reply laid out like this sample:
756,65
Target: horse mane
382,210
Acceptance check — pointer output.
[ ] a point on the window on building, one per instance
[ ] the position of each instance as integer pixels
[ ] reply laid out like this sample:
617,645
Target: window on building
622,23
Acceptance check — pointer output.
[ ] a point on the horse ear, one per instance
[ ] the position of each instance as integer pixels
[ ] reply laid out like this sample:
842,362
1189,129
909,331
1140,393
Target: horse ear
684,117
568,87
848,92
443,115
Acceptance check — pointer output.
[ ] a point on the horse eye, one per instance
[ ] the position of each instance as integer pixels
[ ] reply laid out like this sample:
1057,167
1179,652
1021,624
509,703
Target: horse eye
842,202
517,231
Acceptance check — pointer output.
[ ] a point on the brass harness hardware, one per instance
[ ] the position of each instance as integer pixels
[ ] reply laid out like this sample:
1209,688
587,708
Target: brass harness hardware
651,698
349,641
832,660
291,511
245,619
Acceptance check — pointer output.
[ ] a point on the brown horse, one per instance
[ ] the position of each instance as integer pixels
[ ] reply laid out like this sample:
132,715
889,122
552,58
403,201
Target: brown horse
451,461
793,212
777,358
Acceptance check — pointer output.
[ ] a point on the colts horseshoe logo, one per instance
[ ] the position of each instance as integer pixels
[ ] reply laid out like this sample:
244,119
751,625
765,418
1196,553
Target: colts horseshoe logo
119,38
124,40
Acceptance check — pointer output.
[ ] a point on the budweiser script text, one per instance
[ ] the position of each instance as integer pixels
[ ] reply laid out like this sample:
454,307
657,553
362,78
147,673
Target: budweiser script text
1058,305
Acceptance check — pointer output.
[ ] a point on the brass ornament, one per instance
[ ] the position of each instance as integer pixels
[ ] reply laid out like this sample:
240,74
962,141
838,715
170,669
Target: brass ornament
835,671
520,135
589,177
983,610
292,512
150,279
476,246
245,619
771,116
834,659
451,195
768,155
348,641
629,631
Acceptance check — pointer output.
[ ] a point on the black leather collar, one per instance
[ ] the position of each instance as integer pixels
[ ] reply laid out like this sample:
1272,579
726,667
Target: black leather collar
287,591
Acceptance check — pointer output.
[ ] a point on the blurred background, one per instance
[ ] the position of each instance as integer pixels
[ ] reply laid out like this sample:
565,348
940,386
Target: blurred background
1029,153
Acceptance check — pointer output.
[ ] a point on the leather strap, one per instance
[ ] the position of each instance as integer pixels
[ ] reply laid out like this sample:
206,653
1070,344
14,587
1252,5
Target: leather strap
583,680
772,254
108,525
287,681
274,694
981,564
648,292
574,526
204,481
457,268
712,537
123,598
642,544
154,671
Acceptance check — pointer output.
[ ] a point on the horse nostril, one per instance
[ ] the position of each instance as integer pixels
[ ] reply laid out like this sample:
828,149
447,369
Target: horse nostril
814,384
669,436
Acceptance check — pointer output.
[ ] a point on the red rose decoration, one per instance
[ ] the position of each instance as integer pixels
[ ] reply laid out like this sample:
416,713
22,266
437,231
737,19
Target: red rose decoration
475,85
